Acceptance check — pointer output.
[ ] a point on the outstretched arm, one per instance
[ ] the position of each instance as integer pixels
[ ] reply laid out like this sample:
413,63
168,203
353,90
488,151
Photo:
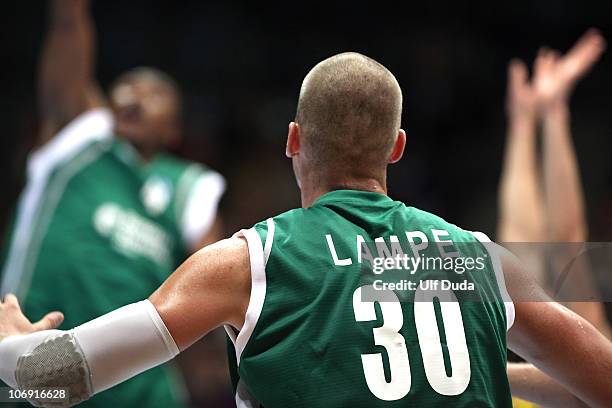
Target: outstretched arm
556,340
530,384
66,85
210,289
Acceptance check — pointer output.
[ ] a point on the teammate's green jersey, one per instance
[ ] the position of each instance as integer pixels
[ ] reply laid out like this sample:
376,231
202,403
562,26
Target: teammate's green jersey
313,337
96,229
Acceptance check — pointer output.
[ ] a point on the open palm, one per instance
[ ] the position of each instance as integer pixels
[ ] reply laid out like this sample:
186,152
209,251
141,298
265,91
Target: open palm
556,75
13,322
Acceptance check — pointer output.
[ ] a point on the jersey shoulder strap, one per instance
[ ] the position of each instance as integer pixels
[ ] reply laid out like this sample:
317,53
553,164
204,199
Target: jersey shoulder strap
194,189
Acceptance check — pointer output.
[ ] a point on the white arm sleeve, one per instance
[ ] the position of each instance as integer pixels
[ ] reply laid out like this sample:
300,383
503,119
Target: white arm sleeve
124,343
115,347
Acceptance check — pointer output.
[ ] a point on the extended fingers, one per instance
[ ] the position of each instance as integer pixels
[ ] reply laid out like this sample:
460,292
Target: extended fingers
50,321
545,62
591,42
584,54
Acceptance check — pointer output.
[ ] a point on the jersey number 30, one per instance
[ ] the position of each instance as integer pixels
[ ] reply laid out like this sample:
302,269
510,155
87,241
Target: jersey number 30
428,334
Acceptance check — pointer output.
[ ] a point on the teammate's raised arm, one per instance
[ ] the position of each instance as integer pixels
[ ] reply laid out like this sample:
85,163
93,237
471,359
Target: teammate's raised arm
66,84
556,340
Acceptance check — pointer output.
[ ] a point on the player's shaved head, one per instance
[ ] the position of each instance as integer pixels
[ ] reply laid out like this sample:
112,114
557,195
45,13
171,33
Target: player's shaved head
349,112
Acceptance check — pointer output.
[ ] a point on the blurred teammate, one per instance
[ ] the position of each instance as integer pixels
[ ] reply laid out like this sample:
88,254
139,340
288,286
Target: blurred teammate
106,215
291,295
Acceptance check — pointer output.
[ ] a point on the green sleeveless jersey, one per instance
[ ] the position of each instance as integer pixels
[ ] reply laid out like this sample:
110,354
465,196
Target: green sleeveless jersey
313,337
96,229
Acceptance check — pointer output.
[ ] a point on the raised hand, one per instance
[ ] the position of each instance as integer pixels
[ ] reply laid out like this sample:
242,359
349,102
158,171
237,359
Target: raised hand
521,98
556,75
13,322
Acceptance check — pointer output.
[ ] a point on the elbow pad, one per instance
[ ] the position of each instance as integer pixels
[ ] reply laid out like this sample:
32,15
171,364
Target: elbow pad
92,357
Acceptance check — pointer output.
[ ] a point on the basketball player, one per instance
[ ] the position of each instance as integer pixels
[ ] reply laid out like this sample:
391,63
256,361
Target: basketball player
106,215
307,328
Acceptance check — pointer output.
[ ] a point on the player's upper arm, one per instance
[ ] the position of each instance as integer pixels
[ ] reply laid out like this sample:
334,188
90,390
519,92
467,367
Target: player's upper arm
210,289
556,340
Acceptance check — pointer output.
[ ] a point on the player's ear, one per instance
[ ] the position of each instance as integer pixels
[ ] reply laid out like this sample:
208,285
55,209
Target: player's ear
398,148
293,140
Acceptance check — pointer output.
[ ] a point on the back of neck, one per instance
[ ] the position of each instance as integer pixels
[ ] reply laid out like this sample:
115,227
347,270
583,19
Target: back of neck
311,192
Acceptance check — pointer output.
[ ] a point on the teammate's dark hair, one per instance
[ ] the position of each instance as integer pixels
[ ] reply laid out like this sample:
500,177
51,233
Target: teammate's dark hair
154,74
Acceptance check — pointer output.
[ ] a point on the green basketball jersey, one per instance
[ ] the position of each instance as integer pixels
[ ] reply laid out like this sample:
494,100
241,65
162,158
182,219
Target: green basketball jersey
312,337
96,229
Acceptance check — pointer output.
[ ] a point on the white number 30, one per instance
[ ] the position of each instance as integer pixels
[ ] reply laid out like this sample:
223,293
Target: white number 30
428,333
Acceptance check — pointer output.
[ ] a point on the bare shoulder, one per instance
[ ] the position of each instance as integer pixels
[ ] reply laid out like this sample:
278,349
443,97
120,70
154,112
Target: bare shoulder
209,289
223,257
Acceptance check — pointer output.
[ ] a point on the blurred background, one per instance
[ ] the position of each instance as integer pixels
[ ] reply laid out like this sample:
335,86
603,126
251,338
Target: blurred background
240,65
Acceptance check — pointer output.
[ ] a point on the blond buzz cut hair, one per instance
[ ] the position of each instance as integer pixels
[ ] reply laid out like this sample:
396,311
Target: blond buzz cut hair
349,111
